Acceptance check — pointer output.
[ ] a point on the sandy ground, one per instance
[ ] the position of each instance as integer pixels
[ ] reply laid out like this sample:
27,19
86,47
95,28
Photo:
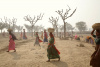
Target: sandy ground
28,55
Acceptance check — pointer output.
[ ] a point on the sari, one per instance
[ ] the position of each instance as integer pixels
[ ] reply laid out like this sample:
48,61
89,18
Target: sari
11,43
95,57
52,51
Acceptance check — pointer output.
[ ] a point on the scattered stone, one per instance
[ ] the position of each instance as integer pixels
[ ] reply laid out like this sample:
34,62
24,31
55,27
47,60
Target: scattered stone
81,45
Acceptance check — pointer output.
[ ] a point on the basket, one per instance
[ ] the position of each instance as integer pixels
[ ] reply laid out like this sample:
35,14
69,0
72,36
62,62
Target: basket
50,29
96,26
9,30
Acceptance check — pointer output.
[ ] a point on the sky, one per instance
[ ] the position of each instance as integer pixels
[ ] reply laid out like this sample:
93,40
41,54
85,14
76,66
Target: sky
87,11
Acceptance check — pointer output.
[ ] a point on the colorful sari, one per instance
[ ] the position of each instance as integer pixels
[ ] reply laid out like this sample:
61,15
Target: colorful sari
52,50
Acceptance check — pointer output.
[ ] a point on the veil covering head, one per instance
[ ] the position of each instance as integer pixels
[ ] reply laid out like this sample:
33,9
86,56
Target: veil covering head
51,35
13,36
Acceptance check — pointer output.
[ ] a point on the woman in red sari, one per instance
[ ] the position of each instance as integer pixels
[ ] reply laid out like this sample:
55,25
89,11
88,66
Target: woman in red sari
12,37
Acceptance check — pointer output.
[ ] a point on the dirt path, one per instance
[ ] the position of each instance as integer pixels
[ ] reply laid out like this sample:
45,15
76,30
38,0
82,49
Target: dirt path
28,55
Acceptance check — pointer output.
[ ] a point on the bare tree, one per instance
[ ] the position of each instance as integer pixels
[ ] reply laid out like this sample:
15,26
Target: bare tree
3,24
5,20
13,21
54,23
65,16
33,20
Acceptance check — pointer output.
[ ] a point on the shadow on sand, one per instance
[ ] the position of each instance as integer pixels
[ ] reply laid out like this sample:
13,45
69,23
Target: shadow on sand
59,63
15,55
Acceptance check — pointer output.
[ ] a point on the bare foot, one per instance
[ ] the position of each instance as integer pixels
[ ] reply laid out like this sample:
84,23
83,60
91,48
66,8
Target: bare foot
59,59
7,51
14,50
48,61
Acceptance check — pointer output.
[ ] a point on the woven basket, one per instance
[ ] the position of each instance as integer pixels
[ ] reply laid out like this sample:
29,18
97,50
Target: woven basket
50,29
9,30
96,26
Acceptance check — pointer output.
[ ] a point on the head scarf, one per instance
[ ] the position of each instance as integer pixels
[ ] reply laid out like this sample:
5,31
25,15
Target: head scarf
51,35
13,36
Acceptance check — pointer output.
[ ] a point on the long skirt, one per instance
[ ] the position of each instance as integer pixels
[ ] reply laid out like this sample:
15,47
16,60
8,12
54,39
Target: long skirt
45,39
52,52
91,41
11,45
24,37
36,42
95,60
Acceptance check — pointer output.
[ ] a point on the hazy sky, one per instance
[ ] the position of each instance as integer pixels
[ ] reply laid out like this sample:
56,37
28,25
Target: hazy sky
87,10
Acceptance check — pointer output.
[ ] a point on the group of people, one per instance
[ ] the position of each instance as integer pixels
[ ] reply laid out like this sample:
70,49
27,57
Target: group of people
77,37
52,51
90,40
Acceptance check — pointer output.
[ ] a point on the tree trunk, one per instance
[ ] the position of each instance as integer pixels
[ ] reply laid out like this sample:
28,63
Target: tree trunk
72,33
9,25
64,29
57,32
13,28
32,30
61,34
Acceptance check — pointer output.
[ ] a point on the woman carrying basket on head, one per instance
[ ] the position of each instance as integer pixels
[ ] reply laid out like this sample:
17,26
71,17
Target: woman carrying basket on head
52,51
95,57
12,37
